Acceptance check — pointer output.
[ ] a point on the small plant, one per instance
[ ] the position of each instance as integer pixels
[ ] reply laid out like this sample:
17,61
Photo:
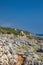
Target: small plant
25,48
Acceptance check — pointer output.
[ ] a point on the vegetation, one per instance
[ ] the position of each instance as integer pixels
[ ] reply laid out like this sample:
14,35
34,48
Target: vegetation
9,31
24,47
4,30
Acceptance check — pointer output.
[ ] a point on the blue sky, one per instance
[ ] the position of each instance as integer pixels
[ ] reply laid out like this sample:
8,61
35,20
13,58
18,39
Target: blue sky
22,14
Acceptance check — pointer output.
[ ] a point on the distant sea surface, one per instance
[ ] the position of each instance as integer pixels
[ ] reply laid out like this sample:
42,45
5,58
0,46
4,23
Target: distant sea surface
39,34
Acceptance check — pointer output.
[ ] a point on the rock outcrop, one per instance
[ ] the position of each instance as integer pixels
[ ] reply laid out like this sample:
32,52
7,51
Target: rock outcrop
16,51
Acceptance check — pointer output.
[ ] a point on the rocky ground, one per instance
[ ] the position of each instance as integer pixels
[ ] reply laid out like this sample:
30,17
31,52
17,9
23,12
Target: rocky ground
20,50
